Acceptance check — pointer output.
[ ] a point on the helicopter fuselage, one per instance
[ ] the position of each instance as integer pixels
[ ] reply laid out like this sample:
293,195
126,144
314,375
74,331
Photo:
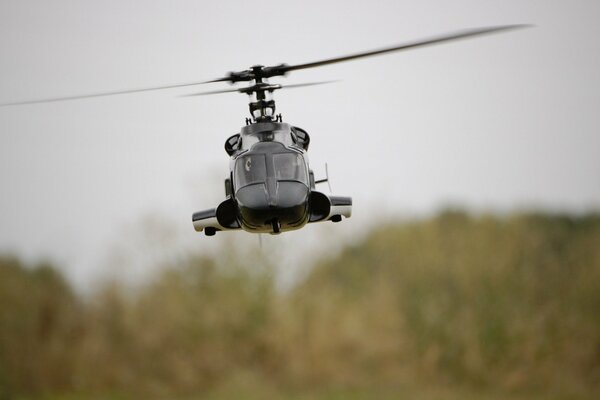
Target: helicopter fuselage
271,188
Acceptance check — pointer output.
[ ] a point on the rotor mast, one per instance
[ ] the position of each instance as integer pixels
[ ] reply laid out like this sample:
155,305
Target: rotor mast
262,108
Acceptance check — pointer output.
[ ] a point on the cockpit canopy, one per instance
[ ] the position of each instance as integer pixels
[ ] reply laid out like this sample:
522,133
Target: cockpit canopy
250,169
282,164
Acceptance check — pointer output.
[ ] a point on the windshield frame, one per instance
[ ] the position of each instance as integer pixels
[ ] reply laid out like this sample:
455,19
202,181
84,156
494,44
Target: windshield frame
281,165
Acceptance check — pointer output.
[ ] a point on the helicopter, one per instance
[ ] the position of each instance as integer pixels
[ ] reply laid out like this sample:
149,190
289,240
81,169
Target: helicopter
270,187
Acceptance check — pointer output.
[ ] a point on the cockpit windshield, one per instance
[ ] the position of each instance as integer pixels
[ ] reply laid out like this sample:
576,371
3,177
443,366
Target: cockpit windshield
289,167
250,169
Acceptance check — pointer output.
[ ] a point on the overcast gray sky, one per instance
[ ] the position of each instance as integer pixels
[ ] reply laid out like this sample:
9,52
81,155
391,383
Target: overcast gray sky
502,122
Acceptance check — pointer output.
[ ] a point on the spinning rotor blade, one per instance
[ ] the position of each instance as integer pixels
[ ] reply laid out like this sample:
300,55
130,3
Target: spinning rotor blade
297,85
210,92
102,94
268,88
420,43
258,72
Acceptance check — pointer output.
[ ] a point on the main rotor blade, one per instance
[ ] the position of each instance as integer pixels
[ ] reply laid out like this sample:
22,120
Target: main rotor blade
243,89
420,43
102,94
282,69
211,92
297,85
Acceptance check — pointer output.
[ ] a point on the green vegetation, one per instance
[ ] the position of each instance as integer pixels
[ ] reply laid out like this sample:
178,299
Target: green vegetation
453,307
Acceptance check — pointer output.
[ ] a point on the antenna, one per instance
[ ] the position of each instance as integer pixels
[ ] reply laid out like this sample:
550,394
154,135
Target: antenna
326,178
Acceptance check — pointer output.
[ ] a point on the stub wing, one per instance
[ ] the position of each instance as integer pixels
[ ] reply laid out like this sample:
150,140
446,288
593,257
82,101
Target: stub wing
206,219
212,220
329,208
340,205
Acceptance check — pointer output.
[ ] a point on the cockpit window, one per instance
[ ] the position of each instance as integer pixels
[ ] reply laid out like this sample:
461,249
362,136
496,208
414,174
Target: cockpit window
250,169
289,167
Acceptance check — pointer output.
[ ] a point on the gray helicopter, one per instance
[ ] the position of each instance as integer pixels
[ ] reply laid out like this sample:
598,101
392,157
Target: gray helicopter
270,188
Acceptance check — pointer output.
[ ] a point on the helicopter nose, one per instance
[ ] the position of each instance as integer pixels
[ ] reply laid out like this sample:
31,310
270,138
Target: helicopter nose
261,204
291,194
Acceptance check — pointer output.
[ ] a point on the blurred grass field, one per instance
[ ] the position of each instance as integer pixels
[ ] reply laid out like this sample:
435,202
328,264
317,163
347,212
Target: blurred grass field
450,307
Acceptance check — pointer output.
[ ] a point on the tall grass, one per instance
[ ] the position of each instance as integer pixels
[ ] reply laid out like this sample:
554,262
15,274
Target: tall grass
499,303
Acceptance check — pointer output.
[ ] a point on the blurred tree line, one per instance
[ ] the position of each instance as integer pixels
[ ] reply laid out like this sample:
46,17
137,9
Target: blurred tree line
510,303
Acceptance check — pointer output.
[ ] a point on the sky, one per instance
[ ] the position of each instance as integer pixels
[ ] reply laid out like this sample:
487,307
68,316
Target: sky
499,123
